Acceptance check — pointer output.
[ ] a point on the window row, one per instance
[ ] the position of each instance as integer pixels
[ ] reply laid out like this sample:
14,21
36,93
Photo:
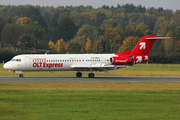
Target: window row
65,60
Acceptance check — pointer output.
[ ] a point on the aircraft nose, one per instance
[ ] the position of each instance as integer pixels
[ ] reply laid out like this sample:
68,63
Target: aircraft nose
6,66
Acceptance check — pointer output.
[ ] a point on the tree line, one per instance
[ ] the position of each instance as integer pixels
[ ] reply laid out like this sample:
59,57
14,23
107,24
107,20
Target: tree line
84,29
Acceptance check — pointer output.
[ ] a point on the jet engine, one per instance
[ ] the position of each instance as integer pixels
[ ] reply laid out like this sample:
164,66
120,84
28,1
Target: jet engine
122,60
128,60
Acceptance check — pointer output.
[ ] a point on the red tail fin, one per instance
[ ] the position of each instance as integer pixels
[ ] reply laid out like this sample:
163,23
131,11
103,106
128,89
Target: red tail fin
145,44
139,53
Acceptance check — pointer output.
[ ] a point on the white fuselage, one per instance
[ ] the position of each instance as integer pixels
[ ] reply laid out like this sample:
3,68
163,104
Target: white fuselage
58,62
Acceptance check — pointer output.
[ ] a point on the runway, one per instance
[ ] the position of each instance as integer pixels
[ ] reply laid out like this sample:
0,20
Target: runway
100,78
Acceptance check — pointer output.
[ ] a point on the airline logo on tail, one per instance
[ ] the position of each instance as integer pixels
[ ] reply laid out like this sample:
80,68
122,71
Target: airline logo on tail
142,45
145,44
139,53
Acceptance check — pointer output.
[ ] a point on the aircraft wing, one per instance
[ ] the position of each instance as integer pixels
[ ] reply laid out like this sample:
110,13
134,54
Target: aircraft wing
96,67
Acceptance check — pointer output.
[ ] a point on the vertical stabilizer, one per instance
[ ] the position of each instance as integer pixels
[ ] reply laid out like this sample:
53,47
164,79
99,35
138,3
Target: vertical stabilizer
145,44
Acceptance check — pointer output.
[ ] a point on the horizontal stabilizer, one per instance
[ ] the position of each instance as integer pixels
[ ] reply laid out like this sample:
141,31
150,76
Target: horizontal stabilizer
160,38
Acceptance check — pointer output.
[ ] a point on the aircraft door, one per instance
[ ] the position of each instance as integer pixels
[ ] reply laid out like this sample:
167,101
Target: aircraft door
28,62
102,60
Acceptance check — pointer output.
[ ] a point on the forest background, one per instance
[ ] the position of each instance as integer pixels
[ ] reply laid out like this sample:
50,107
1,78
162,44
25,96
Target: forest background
84,29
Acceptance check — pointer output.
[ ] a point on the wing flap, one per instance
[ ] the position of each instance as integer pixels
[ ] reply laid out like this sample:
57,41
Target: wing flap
97,67
92,66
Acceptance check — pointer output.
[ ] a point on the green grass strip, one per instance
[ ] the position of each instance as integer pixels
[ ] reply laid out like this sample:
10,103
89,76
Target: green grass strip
89,105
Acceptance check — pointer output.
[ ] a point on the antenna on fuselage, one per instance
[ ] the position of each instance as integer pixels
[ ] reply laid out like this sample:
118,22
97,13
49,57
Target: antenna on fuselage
47,52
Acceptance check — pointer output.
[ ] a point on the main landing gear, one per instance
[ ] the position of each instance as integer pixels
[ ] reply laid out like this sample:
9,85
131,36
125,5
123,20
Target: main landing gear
78,74
90,75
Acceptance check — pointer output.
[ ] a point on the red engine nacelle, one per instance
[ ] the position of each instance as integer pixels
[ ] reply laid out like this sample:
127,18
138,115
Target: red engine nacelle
129,60
122,60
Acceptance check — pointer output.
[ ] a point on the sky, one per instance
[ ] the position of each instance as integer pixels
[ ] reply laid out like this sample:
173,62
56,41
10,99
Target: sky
166,4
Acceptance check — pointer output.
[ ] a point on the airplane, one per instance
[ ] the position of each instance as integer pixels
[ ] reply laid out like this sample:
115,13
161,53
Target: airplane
83,62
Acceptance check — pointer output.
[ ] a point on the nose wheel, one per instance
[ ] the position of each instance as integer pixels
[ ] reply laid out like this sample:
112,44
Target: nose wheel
21,75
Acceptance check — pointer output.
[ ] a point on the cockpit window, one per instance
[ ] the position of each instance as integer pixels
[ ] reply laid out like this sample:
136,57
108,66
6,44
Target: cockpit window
18,60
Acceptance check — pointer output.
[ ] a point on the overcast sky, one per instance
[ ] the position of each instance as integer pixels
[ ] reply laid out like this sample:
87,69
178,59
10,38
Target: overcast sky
166,4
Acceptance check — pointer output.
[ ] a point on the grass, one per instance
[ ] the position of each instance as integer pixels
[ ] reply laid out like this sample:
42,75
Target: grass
136,70
90,101
94,101
89,105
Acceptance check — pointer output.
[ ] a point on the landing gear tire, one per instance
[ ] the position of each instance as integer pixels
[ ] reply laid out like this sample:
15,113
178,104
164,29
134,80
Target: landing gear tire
91,75
78,74
21,75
